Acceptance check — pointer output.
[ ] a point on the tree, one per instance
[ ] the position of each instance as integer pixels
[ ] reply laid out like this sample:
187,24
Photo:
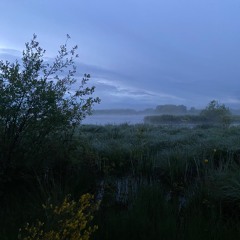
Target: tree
171,109
217,113
38,100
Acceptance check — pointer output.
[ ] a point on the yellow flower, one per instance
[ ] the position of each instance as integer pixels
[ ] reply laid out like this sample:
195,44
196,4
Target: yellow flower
72,221
206,161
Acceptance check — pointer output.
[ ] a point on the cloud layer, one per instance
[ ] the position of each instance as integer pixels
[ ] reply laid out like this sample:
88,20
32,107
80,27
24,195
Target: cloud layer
139,53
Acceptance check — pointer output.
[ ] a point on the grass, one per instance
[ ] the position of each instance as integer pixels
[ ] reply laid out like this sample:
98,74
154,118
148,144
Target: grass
156,182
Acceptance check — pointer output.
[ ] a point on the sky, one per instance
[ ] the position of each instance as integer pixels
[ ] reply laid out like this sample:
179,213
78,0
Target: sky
140,53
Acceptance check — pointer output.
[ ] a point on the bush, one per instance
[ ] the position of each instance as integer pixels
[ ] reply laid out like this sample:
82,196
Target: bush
70,220
38,103
217,113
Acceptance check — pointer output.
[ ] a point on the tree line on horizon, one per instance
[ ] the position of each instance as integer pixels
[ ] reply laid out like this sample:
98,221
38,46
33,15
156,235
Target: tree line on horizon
164,109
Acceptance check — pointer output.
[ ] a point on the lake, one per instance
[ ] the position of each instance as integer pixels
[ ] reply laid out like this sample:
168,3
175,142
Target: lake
117,119
113,119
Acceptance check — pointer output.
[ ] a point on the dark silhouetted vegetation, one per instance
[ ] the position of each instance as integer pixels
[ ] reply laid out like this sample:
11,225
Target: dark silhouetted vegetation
217,113
152,181
213,114
170,109
38,104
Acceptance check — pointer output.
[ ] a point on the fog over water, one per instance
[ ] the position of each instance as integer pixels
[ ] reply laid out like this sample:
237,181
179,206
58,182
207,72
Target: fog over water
113,119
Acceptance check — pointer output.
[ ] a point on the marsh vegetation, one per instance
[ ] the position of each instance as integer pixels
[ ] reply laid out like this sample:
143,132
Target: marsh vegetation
178,183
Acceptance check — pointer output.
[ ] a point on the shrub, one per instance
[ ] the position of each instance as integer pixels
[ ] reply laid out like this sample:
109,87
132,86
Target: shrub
70,220
217,113
38,102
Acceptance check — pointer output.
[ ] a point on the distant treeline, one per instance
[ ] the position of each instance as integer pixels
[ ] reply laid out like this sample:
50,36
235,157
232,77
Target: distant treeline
166,109
123,111
214,113
160,109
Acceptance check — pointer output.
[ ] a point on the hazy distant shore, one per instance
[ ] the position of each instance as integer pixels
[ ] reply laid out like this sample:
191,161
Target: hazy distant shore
116,119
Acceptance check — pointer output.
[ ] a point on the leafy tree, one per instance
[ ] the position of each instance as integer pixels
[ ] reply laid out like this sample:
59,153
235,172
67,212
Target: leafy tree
40,100
218,113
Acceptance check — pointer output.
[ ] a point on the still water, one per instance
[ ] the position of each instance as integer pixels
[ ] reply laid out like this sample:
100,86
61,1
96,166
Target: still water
113,119
130,119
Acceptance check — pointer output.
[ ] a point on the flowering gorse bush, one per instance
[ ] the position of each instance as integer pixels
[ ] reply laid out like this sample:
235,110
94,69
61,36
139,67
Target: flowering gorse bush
68,221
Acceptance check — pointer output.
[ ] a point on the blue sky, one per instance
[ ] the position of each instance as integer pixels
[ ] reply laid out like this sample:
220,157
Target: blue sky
140,53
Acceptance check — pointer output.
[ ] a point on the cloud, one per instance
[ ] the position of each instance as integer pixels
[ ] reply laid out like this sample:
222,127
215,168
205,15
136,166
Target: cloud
10,55
232,101
192,84
10,51
120,92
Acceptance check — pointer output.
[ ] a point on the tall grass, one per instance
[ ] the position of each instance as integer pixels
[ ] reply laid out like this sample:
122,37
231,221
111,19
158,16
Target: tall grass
155,182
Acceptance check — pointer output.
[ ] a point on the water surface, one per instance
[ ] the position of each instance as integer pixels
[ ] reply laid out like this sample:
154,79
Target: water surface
114,119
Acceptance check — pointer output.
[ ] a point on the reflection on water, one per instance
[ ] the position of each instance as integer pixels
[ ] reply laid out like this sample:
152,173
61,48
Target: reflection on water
113,119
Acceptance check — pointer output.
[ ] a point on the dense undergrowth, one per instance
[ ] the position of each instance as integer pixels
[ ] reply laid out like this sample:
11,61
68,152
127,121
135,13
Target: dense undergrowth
153,182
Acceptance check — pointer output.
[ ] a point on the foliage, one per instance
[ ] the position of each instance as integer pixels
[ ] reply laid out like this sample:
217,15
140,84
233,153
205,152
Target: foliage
225,183
70,220
149,217
39,101
213,114
190,177
217,112
171,109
